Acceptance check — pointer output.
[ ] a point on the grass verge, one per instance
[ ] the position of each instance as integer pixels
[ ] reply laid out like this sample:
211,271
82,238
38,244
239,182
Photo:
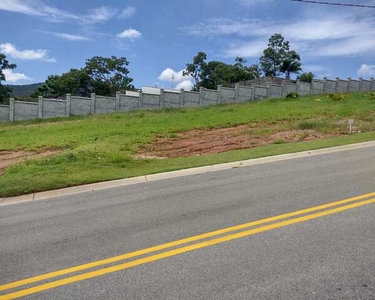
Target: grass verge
99,148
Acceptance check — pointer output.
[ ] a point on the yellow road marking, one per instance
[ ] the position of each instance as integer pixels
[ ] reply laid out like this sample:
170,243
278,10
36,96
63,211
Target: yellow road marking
176,243
181,250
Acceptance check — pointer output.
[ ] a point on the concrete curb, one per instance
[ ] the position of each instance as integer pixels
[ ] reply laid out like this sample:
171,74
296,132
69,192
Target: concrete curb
179,173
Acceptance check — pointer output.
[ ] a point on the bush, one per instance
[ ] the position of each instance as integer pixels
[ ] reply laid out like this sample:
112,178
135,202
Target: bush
292,96
337,97
306,77
372,96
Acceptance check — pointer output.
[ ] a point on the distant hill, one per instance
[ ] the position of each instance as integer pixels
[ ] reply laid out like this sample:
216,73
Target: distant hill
24,90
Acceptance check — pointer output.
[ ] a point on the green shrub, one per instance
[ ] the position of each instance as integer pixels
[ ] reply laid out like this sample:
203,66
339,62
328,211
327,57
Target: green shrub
292,95
337,97
372,96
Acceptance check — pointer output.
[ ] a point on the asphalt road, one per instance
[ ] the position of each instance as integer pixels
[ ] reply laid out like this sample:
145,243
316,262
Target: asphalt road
329,256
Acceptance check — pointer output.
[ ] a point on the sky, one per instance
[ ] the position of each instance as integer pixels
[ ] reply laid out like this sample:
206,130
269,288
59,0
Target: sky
45,37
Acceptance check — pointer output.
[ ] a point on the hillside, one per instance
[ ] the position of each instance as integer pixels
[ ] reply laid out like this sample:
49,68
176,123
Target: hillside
77,150
24,90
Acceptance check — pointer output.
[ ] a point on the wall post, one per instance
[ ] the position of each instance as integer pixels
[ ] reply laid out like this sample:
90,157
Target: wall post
360,83
182,98
68,104
162,98
140,102
201,96
372,86
40,107
93,100
236,92
337,84
219,94
118,96
11,110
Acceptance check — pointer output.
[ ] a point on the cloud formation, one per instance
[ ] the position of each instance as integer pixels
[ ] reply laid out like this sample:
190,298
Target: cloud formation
41,9
11,50
366,70
128,12
12,77
323,34
170,75
130,34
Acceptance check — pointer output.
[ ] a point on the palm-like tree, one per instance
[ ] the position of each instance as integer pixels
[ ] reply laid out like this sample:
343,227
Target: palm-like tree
291,64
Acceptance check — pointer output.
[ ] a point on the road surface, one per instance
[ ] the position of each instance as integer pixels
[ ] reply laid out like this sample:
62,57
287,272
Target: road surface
271,231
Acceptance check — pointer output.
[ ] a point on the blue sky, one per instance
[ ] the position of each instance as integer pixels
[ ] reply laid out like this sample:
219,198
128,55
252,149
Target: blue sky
46,37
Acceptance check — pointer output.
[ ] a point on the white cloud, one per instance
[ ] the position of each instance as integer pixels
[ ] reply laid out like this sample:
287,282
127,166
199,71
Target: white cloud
251,49
100,14
40,8
186,85
12,77
37,8
183,82
366,70
127,12
11,50
71,37
323,34
170,75
130,34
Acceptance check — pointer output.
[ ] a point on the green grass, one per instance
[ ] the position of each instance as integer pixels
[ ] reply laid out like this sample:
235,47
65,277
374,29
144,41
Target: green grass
98,148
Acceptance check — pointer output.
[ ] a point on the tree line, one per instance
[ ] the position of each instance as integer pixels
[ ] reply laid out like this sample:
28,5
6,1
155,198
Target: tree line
107,75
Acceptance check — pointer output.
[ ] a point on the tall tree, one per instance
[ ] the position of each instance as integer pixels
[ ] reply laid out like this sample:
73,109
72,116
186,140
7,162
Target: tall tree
278,58
5,91
109,74
213,73
291,64
102,75
196,68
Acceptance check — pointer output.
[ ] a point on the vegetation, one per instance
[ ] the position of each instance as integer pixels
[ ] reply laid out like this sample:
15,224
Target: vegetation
306,77
101,147
211,74
5,91
278,58
101,75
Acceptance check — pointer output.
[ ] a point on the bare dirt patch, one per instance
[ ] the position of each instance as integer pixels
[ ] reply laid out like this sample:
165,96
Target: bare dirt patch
8,158
200,142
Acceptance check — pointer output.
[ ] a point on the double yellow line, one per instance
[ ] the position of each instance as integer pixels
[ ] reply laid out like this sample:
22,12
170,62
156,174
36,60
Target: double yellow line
209,239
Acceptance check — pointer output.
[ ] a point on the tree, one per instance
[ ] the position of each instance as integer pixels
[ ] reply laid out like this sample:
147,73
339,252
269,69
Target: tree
5,91
108,74
306,77
291,64
213,73
104,76
196,68
278,58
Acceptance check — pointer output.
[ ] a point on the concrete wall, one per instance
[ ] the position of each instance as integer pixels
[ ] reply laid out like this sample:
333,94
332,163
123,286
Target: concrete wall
289,88
276,91
25,110
303,88
244,94
209,97
4,113
159,98
191,99
54,108
129,103
317,87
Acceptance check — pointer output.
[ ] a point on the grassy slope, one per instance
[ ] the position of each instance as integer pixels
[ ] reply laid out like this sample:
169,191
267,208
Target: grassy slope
97,148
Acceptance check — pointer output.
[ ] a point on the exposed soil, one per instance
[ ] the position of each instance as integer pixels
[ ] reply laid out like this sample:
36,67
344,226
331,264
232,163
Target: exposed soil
199,142
8,158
